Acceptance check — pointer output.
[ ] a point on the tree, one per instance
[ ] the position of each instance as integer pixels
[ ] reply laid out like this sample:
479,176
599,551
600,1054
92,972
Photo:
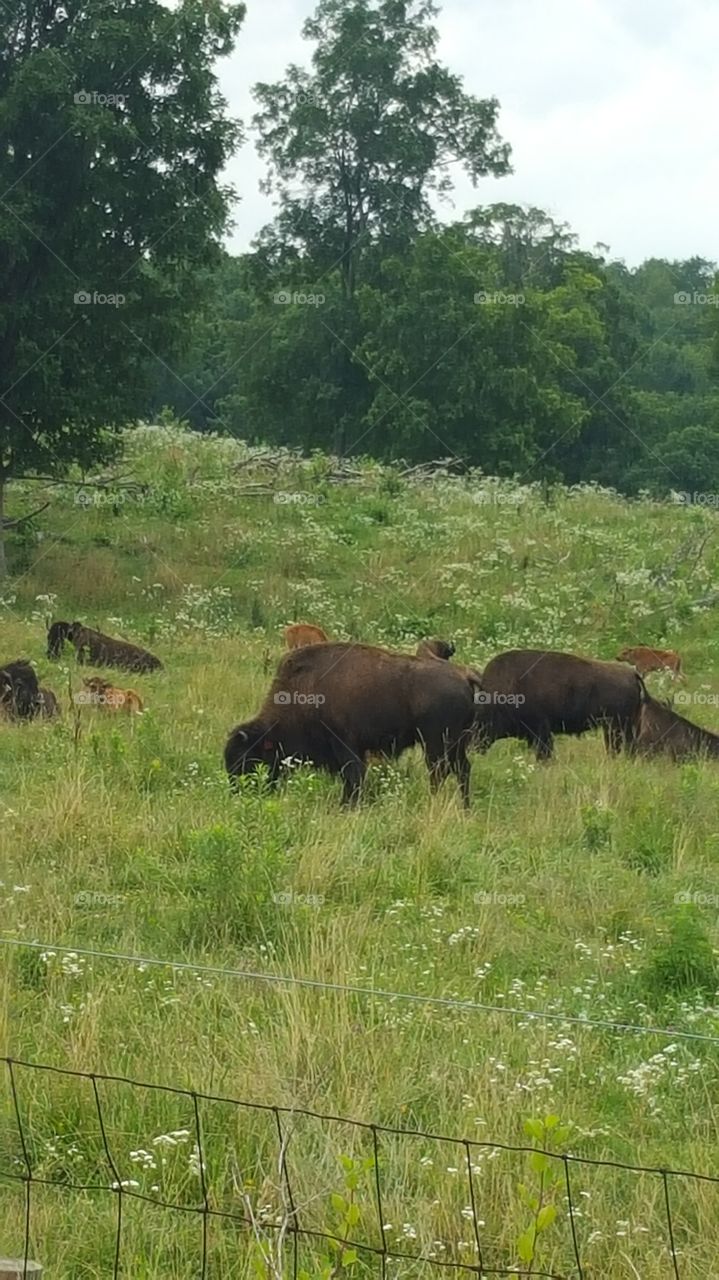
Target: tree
370,132
113,138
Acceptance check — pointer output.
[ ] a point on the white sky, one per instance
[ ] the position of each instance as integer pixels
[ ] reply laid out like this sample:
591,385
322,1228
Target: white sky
611,108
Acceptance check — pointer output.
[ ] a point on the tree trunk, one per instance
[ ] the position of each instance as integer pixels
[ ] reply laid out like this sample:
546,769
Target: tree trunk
3,561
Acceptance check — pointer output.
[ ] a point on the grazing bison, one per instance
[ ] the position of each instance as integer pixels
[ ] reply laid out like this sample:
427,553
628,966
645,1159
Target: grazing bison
19,690
303,633
646,660
435,649
98,649
102,694
335,704
663,732
534,693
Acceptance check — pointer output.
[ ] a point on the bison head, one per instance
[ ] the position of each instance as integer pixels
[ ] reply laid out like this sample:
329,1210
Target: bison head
250,745
57,634
435,649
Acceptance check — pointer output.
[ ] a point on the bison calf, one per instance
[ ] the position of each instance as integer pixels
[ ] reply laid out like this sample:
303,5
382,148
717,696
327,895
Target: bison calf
303,633
646,659
534,693
102,694
334,704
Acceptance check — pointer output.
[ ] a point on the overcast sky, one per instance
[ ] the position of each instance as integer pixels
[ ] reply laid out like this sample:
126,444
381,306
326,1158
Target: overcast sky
611,108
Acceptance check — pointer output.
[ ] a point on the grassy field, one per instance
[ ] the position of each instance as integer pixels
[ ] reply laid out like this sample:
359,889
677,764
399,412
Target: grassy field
586,887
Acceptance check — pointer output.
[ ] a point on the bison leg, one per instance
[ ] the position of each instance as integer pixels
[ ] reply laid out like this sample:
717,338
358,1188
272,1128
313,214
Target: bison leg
543,743
438,766
352,770
461,768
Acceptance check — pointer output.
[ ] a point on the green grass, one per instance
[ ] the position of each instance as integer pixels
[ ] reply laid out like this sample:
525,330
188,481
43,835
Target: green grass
564,889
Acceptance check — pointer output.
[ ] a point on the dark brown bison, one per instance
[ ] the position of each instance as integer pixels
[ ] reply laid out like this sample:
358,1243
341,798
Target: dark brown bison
98,649
435,649
48,705
534,693
663,732
19,690
335,704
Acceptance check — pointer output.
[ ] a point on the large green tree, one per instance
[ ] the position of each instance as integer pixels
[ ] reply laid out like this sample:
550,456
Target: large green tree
371,132
112,138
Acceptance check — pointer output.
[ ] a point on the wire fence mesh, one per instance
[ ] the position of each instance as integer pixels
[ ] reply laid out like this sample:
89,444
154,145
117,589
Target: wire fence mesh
230,1188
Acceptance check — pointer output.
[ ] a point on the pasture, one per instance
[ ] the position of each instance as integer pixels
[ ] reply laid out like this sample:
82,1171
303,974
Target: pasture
586,887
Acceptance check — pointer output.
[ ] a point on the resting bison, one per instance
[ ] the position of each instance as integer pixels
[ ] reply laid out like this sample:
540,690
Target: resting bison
663,732
335,704
303,633
435,649
48,705
535,693
98,649
646,660
19,690
100,693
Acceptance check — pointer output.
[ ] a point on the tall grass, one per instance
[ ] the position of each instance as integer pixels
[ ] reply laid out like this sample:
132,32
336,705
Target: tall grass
586,887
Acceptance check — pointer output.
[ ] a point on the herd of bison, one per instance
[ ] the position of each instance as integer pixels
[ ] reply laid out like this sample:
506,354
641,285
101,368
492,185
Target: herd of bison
340,706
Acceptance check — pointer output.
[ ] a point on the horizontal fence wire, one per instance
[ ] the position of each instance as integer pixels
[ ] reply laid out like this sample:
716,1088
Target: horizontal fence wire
360,1238
376,993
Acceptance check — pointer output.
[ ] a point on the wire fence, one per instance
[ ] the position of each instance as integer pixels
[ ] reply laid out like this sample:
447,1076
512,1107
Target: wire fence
252,1189
373,993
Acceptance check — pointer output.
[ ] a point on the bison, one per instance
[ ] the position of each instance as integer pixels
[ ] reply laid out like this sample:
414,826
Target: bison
100,650
48,705
303,633
646,659
534,693
335,704
435,649
19,690
101,693
663,732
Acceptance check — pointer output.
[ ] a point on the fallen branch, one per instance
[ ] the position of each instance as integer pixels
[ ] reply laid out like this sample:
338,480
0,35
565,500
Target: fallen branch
15,524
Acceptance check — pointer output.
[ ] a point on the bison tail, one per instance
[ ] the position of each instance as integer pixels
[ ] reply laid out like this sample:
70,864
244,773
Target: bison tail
644,694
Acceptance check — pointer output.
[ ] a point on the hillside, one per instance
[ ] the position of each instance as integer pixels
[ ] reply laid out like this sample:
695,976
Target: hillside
585,888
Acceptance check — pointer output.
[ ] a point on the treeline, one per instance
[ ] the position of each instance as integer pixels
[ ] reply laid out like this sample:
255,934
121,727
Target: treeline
494,339
361,323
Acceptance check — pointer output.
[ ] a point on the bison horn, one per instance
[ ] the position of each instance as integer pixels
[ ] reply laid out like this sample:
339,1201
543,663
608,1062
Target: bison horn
242,733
